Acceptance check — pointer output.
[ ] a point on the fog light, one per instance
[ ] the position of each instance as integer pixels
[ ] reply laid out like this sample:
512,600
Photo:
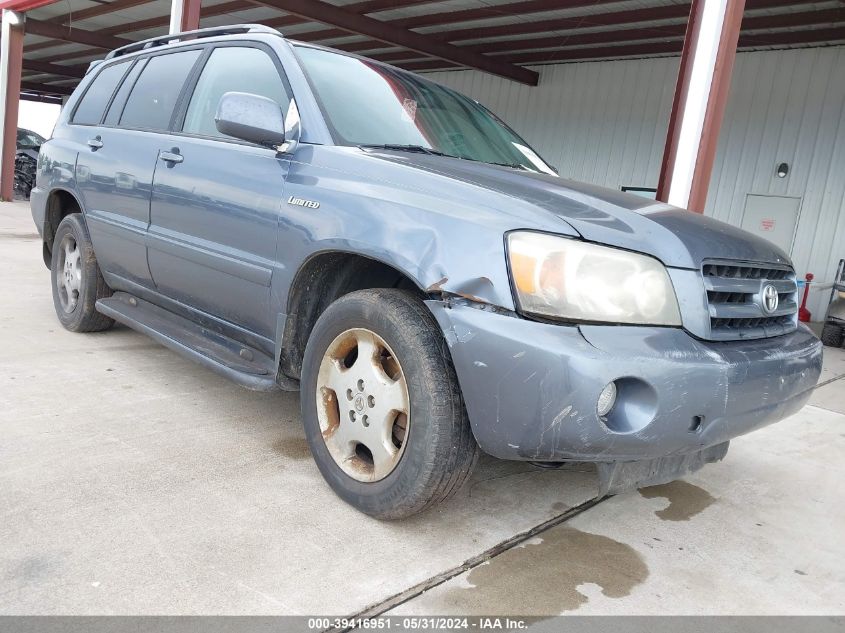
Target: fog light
607,398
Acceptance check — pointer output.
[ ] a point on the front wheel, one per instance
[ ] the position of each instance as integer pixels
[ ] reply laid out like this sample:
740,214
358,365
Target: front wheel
382,409
76,277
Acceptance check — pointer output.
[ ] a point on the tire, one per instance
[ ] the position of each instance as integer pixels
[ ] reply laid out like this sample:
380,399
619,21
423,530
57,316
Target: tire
832,335
76,278
436,450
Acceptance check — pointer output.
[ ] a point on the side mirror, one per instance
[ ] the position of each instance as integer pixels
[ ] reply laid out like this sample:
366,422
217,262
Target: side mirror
251,118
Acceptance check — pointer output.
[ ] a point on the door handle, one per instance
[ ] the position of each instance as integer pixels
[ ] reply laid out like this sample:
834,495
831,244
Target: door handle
95,143
171,157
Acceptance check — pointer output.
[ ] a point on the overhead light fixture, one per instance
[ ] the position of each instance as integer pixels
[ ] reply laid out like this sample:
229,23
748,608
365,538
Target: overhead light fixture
783,170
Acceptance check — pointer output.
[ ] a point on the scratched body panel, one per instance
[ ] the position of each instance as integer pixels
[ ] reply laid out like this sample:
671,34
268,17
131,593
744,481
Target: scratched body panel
531,388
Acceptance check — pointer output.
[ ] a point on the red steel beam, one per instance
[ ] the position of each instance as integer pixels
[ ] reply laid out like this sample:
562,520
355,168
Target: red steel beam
679,100
13,47
190,15
716,104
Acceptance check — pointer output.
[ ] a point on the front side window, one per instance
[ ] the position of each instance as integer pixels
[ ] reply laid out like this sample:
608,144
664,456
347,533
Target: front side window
232,69
369,104
153,98
94,101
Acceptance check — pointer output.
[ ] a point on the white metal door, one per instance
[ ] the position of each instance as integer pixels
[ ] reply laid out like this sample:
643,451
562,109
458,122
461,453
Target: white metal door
773,218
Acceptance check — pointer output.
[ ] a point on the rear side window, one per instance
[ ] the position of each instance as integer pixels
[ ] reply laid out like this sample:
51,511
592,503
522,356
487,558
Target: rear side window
94,101
154,95
232,69
116,107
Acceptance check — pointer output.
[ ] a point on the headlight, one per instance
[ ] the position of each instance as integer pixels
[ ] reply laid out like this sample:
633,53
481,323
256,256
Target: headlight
569,279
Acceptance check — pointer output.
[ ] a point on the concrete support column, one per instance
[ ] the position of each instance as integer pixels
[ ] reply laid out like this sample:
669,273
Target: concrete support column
701,93
11,58
184,15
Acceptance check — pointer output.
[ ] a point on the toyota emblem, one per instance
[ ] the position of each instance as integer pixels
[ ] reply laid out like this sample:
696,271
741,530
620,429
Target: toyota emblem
770,299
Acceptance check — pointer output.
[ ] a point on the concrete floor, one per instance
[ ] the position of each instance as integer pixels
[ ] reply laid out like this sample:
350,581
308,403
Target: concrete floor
134,482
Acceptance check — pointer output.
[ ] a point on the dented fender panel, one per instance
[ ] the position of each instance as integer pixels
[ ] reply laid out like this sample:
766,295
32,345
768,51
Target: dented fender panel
531,388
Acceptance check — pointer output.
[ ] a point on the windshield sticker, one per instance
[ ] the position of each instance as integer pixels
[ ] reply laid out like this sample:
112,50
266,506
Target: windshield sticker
409,110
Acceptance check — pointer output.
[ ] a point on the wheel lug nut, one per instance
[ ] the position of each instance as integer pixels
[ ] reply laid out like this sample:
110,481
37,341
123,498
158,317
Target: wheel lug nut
352,416
349,394
371,402
360,385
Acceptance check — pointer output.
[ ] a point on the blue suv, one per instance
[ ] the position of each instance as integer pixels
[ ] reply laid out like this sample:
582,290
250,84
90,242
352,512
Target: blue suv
300,218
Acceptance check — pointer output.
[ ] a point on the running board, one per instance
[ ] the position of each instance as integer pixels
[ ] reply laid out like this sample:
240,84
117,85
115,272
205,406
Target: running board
247,366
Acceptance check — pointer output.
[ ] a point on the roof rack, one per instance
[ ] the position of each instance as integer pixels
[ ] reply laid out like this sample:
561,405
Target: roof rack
213,31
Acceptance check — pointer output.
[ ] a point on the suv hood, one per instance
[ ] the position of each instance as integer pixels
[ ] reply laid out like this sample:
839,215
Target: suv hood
675,236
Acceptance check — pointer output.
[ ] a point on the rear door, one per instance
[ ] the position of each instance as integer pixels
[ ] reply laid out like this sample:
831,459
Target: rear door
216,200
114,170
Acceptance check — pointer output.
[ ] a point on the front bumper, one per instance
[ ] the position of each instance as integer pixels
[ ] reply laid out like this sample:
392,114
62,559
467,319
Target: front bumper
531,388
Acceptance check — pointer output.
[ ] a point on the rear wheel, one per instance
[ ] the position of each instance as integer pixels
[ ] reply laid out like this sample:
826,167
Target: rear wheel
832,335
77,281
381,405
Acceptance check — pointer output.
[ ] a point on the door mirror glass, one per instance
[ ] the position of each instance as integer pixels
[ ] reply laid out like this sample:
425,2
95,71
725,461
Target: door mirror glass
251,118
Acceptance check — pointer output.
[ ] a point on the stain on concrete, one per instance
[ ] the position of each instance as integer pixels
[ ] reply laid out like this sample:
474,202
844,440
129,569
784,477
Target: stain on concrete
19,236
541,577
32,569
800,572
560,506
685,500
293,448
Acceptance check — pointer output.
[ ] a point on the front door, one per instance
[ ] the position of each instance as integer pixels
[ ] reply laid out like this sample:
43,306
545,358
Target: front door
214,214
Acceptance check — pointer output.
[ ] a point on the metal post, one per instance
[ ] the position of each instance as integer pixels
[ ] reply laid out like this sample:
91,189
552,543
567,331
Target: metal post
698,108
184,15
11,58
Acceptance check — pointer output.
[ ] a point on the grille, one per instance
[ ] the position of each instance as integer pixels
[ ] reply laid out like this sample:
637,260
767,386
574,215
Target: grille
735,300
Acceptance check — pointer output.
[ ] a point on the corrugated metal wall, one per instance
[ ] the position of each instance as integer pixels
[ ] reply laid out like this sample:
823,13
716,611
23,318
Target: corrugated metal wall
605,123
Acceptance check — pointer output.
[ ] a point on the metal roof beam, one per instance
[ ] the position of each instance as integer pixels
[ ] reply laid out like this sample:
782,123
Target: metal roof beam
46,88
384,32
747,40
609,19
77,72
76,35
666,31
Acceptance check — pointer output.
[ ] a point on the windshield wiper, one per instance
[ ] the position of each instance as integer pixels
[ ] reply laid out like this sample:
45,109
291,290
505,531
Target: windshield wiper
404,148
420,149
512,166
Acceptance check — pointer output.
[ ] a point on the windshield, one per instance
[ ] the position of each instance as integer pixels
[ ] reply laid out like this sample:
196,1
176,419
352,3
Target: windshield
28,139
369,104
